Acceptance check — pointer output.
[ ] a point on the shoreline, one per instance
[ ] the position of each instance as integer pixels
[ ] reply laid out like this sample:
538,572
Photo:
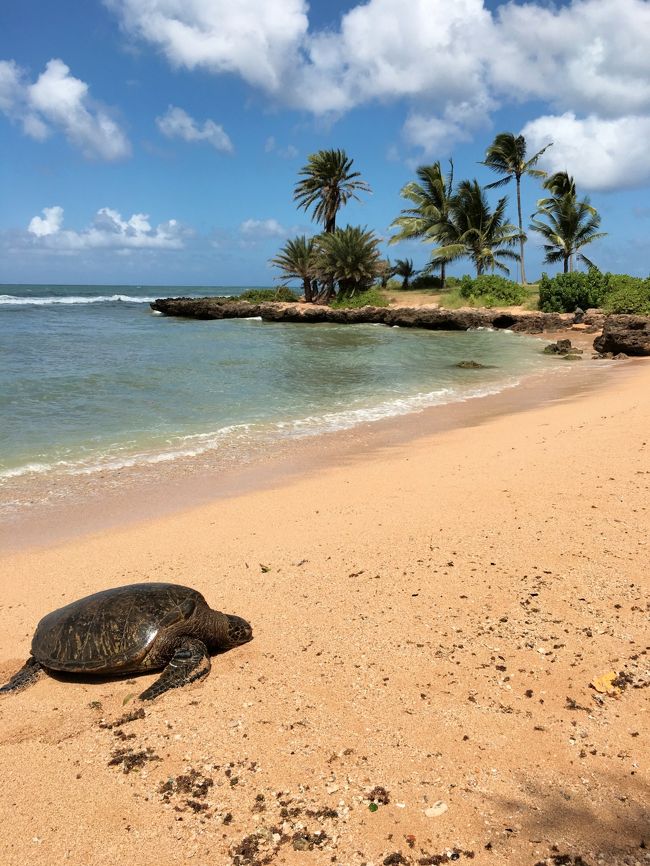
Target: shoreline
428,617
149,490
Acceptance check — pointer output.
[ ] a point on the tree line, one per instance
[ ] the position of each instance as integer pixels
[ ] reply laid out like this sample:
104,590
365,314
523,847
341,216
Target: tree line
456,219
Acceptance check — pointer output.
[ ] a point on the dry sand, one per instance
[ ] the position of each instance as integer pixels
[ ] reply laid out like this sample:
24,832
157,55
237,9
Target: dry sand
428,618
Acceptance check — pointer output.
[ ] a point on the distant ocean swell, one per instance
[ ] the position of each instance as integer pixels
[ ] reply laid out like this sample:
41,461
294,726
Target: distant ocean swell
243,440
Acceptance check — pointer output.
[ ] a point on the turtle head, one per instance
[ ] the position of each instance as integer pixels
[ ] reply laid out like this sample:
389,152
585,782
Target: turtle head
239,631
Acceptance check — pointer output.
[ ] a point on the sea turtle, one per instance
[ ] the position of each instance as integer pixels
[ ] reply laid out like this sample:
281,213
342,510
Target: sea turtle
132,629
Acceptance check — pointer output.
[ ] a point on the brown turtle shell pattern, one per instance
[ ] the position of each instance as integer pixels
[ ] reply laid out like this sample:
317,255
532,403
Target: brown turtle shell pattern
112,630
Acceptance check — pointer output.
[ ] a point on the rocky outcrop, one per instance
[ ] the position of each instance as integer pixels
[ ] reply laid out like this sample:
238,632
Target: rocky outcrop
564,349
625,334
433,318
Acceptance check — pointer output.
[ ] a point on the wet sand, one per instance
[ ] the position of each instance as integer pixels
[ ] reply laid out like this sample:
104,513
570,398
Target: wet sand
429,612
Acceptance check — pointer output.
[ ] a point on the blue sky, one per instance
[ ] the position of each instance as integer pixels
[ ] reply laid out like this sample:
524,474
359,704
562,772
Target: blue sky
158,141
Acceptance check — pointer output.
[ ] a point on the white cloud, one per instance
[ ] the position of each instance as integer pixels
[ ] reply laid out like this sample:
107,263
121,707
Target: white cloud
257,40
177,123
588,56
452,62
258,229
59,101
433,50
600,153
50,225
108,231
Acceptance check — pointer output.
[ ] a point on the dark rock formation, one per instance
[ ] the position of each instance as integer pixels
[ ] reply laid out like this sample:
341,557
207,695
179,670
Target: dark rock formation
564,349
471,365
404,317
628,334
625,334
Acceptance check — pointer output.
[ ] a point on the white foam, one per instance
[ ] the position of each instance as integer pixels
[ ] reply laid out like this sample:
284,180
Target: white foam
68,300
231,439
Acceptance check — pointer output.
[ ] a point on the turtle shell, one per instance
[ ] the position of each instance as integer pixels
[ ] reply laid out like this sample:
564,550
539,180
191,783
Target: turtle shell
111,630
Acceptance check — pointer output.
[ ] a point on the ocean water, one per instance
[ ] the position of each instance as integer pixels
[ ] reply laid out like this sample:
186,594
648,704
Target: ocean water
92,381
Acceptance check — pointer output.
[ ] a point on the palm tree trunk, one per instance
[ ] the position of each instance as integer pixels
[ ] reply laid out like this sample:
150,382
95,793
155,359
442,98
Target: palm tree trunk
306,284
443,275
521,232
566,264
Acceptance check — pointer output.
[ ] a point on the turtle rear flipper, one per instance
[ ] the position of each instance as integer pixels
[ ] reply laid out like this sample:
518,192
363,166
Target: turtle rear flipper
27,675
190,662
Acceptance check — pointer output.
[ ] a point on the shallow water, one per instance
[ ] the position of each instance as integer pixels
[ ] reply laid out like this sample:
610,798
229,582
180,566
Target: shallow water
92,381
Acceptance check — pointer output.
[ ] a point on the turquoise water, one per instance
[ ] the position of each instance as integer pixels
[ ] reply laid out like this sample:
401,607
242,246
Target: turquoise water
91,380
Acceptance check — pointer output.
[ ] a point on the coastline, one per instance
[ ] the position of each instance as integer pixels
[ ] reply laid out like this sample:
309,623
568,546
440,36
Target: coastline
116,497
428,616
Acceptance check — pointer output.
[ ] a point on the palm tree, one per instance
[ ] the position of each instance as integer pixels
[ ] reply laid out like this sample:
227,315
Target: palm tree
483,235
327,184
296,261
385,272
348,257
570,224
507,156
429,218
404,269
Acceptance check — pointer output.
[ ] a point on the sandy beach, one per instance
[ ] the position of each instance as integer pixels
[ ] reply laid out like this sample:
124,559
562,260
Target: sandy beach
428,618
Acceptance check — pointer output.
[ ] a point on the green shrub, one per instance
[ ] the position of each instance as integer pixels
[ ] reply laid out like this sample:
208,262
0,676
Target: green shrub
372,298
491,290
564,292
426,281
257,296
627,294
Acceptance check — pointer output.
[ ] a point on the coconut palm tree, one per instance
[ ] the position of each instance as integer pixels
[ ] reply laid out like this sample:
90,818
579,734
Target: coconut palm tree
296,261
507,156
404,269
429,217
349,258
570,224
327,184
482,234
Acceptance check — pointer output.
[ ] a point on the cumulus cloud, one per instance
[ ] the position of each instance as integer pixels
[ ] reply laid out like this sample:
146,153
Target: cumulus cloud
600,153
49,224
589,55
257,40
452,62
57,101
176,123
109,231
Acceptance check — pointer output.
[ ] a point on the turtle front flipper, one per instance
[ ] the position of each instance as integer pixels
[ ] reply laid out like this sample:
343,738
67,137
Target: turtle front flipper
190,662
27,675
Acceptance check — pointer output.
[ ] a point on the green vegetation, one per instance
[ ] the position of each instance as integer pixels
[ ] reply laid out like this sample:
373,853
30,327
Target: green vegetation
295,260
258,296
430,217
507,156
347,258
327,184
485,236
568,224
627,295
404,269
565,292
491,290
344,266
371,298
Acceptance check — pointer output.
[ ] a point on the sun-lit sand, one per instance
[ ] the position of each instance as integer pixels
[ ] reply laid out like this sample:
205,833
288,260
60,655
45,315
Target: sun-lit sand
428,618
